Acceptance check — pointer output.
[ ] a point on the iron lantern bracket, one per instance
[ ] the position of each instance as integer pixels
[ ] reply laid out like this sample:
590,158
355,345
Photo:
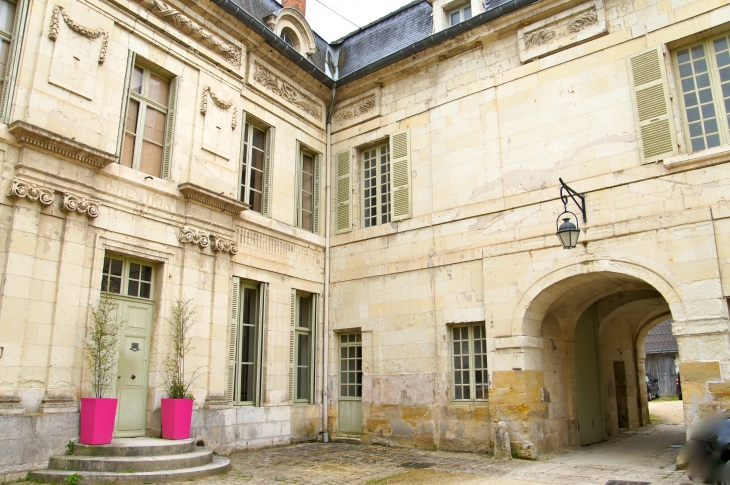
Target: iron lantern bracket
566,192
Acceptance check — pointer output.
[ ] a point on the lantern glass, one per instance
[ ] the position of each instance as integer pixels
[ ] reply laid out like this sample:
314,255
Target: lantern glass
568,234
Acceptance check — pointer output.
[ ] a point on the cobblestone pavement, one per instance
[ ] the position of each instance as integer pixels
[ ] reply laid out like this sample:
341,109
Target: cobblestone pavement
643,455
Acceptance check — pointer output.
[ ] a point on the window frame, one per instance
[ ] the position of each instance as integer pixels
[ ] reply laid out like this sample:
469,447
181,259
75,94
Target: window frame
713,70
144,102
297,330
126,262
379,184
303,151
356,343
8,37
472,370
246,152
258,327
14,39
460,9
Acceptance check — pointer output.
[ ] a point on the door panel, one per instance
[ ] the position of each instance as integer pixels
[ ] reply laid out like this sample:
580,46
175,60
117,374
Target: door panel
349,406
590,399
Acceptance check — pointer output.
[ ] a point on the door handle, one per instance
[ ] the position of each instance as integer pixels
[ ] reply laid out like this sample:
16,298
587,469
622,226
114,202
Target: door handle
133,377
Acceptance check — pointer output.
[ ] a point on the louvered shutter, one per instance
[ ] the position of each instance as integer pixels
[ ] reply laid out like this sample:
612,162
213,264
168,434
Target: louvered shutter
343,206
241,193
268,169
313,353
125,101
263,325
652,109
170,129
292,332
317,185
298,175
233,342
400,176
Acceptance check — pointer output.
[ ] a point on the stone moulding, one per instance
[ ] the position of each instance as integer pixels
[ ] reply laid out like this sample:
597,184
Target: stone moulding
211,199
230,52
74,203
281,88
39,137
565,29
361,107
26,190
218,243
189,235
59,12
218,102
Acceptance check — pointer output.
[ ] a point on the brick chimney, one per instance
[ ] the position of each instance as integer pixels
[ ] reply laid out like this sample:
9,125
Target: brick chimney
300,5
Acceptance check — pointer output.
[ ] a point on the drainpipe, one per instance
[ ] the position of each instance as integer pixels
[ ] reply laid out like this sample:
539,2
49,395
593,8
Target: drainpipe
327,224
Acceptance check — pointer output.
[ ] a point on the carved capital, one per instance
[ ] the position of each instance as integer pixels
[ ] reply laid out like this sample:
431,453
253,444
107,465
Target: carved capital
192,236
27,190
222,104
89,33
73,203
220,244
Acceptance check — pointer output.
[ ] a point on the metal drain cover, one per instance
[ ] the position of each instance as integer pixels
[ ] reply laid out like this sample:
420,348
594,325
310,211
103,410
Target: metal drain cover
626,482
416,464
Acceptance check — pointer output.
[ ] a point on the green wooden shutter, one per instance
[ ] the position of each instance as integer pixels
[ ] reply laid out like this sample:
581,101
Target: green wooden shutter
313,353
343,205
13,61
240,191
263,326
125,101
653,112
268,169
232,345
292,362
170,129
400,177
316,195
298,173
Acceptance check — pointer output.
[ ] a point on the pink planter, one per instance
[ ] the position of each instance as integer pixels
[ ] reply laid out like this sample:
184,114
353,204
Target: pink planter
97,420
176,417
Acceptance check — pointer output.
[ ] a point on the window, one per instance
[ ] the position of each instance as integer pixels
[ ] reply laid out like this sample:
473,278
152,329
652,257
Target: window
703,74
126,277
7,19
460,14
302,345
307,196
376,185
470,381
147,129
351,366
290,38
246,354
255,166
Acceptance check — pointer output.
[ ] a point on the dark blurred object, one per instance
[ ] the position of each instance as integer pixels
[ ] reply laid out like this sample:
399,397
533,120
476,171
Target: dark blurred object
679,387
707,451
652,388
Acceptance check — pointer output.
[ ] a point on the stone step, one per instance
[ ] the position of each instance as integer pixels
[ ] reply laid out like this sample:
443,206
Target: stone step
217,466
136,447
125,464
345,438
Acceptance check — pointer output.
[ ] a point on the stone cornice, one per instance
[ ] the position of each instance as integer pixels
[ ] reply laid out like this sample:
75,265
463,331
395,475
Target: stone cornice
33,135
210,198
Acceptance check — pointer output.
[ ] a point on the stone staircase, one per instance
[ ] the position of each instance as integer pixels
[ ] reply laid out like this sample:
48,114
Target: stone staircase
135,460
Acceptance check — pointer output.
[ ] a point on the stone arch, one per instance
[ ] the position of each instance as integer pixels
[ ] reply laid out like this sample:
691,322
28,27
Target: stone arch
600,277
293,21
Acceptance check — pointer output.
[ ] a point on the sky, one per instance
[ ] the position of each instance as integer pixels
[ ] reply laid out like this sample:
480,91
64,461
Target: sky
361,12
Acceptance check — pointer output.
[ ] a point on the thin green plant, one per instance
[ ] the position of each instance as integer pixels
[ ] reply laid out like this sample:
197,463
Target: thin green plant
70,446
177,383
74,479
102,340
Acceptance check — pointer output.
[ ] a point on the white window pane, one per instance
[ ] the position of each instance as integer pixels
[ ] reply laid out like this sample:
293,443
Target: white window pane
467,13
455,17
7,16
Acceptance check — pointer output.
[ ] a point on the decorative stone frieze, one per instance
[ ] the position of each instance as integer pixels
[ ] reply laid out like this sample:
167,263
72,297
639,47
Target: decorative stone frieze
571,27
361,107
26,190
89,33
286,91
188,235
211,199
78,152
222,104
230,52
74,203
218,243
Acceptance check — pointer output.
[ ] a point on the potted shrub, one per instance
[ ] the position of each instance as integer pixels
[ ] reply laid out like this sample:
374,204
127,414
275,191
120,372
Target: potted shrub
100,350
177,408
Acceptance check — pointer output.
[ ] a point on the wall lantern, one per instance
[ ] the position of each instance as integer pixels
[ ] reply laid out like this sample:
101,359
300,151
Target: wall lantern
567,231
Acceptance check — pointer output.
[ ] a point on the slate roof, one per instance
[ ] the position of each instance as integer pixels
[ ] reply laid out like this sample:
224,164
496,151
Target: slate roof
660,339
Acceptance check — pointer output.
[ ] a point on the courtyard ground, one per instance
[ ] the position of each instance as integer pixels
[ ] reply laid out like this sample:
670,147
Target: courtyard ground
645,455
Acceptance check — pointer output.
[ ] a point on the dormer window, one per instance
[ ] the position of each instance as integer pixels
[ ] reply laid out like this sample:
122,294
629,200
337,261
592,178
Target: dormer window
288,36
459,14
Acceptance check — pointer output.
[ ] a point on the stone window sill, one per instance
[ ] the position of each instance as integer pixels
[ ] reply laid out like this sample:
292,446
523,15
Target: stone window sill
703,158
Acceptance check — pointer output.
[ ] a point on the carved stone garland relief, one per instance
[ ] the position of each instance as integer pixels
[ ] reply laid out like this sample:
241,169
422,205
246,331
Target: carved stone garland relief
230,52
577,24
189,235
281,88
45,195
89,33
218,102
362,107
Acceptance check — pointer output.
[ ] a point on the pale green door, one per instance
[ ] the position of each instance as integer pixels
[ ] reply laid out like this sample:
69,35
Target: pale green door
349,405
590,397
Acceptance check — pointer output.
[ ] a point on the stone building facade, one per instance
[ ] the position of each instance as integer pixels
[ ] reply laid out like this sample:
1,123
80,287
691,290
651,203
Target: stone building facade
366,229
